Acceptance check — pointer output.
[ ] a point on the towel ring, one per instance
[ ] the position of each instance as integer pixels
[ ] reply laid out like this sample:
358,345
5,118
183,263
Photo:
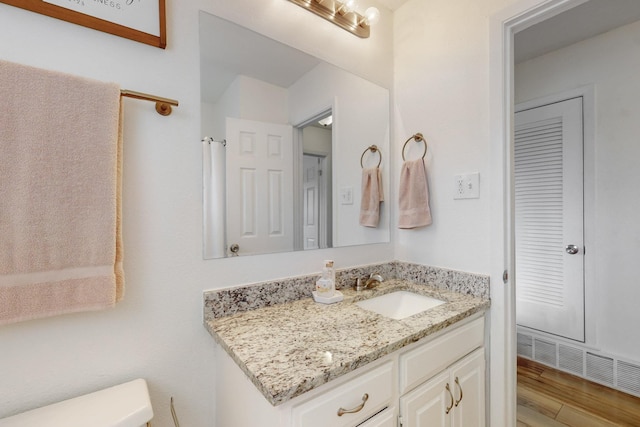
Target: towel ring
418,138
373,149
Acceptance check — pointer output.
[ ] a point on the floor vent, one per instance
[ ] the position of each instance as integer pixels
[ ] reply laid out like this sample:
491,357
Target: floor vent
571,359
525,345
597,367
600,369
629,377
544,351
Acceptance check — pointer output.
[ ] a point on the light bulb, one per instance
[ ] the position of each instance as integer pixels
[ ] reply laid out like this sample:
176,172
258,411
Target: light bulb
347,7
371,16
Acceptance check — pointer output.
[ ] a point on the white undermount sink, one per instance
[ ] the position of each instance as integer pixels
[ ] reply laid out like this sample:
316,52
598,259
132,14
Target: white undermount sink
399,304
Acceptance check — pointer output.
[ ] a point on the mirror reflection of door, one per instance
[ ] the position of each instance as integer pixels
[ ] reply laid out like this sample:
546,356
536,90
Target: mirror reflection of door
315,206
312,172
259,175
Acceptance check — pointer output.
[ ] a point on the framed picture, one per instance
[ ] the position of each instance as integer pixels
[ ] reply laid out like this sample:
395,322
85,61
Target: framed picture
141,20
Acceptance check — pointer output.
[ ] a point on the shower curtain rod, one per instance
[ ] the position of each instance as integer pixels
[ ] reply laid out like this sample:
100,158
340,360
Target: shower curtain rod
210,139
163,105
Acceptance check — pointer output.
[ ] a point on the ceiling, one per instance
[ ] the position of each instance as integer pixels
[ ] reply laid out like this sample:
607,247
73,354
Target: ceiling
392,4
582,22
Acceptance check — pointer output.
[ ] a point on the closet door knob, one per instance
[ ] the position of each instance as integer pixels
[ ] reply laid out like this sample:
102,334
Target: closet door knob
572,249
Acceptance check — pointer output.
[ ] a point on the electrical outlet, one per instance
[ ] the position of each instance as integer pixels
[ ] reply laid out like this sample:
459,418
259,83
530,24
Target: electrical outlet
346,195
458,191
467,186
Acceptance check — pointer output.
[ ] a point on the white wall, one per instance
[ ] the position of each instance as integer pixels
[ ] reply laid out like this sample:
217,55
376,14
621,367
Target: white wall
316,140
441,89
262,101
442,85
244,98
610,63
157,332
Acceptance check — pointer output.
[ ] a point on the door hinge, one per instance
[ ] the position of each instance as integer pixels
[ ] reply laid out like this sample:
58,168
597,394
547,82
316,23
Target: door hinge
399,420
505,277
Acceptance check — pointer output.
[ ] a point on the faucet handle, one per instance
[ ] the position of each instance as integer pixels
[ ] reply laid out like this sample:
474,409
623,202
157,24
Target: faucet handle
376,276
358,284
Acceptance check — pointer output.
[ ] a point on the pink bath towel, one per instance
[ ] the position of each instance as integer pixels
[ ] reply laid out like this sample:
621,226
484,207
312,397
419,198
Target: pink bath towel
60,178
372,196
414,195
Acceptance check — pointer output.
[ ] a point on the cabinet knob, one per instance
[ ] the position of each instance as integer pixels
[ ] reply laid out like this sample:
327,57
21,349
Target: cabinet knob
358,408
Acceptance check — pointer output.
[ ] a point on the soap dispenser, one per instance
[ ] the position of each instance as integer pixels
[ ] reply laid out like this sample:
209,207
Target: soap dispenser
326,285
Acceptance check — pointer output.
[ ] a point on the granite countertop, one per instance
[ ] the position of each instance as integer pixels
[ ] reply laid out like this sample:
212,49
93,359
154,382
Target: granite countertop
291,348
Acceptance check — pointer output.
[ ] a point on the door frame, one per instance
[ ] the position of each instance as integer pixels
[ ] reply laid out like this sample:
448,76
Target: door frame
298,152
502,320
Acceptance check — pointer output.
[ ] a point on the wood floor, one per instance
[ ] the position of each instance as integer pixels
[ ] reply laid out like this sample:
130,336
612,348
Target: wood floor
548,397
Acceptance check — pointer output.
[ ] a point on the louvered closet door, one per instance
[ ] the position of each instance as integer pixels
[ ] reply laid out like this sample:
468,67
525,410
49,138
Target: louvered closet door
549,219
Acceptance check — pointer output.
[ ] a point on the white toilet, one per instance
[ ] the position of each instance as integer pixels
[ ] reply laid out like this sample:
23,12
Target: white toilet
124,405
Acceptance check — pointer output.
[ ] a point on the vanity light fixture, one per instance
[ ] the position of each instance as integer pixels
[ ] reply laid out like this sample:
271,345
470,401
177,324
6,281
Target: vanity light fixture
343,14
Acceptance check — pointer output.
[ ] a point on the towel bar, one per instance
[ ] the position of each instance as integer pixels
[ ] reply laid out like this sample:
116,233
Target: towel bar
373,149
163,105
418,138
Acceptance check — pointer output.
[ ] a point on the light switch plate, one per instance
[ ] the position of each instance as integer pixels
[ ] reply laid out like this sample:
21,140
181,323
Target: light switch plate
346,195
466,186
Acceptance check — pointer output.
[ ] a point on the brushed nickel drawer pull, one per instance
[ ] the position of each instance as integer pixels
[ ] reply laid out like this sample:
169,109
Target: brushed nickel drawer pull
460,387
358,408
452,399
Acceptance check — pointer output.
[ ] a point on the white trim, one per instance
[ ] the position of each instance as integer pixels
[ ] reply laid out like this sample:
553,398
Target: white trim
502,363
298,153
298,243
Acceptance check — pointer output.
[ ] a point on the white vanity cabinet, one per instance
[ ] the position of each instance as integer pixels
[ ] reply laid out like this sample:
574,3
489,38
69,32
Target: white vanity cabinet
443,382
437,383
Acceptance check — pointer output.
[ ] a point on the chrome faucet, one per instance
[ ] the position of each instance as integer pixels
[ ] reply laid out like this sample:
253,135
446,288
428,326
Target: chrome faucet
373,280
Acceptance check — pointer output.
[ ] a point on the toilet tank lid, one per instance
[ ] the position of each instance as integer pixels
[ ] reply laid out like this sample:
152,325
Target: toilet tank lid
123,405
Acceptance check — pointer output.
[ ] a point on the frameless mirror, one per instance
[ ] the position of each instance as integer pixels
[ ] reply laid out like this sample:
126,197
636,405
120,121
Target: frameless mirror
285,139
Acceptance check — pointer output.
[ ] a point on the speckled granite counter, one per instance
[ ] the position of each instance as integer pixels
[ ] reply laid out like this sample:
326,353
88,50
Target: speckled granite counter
290,348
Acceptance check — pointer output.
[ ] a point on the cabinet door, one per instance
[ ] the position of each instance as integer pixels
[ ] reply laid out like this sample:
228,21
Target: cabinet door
426,405
467,385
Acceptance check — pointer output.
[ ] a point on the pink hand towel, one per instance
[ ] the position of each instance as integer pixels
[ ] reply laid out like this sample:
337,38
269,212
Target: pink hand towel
372,196
414,195
60,175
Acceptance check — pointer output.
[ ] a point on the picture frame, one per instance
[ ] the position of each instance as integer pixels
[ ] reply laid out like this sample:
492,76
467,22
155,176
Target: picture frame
143,21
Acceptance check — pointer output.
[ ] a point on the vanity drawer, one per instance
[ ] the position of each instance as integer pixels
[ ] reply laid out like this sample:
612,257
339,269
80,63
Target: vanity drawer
421,363
322,411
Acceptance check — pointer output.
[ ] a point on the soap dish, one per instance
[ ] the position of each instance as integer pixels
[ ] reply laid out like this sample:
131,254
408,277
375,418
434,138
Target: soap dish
337,297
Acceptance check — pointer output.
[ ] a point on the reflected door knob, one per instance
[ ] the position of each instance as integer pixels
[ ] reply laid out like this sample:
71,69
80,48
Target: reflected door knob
572,249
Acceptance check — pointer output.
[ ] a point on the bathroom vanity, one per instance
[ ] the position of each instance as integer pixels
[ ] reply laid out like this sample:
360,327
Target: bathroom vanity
304,364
